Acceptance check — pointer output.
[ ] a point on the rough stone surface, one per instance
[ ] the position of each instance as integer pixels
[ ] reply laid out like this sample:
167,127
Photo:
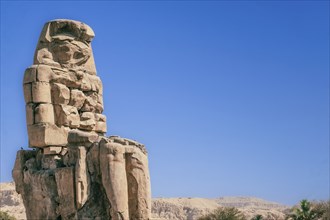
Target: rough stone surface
65,183
41,92
87,121
50,161
30,75
77,98
60,94
52,150
67,115
82,138
46,134
44,113
74,171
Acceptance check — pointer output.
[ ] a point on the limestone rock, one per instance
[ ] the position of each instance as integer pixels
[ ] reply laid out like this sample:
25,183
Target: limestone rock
82,138
67,115
87,121
52,150
45,134
93,103
100,117
65,184
21,157
39,195
71,78
91,83
30,75
100,127
41,92
44,73
77,98
44,113
60,94
50,161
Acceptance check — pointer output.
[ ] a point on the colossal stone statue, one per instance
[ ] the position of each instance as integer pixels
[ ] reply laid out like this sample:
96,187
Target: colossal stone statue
74,171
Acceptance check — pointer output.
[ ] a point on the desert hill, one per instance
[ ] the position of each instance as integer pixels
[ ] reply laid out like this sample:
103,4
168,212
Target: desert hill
167,208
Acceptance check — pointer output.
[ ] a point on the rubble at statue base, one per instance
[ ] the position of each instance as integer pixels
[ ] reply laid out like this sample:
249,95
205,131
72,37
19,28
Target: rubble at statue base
73,170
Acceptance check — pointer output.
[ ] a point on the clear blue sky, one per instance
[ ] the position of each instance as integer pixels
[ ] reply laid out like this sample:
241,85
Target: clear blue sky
230,98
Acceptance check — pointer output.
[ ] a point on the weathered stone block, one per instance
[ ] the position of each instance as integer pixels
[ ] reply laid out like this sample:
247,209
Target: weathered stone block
44,113
93,103
41,92
29,110
27,92
60,94
50,161
44,73
67,115
87,116
39,195
87,121
21,157
71,78
65,187
101,127
52,150
86,83
45,134
91,83
77,98
30,74
100,117
82,138
89,104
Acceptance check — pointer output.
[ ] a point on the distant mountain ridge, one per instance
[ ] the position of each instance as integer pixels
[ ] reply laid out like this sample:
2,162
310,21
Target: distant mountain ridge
168,208
192,208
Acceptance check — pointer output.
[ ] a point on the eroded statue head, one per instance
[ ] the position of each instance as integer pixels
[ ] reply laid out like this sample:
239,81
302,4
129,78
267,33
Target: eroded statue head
66,44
